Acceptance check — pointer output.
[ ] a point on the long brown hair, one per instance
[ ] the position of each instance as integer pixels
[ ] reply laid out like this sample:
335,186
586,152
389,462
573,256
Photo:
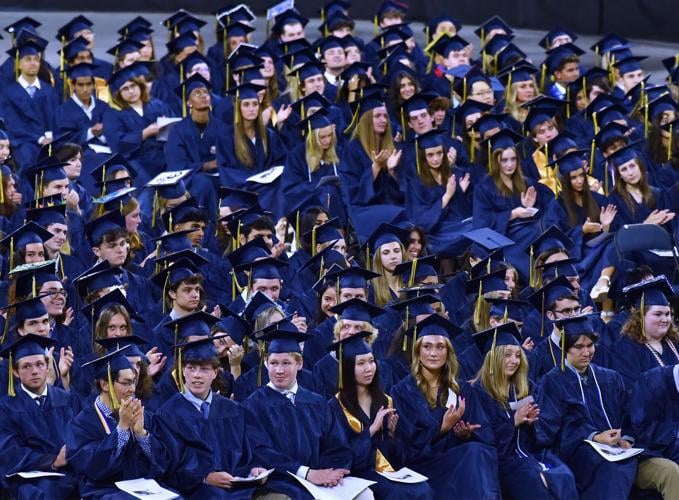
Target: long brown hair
135,240
632,328
366,135
241,142
518,182
589,204
101,326
425,174
446,379
381,283
646,193
144,94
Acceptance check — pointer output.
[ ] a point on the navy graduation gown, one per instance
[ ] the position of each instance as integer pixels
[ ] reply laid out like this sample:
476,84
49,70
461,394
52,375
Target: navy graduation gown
298,183
655,413
443,226
234,174
246,384
286,436
27,119
189,148
124,136
92,451
571,412
521,462
72,120
491,209
455,468
364,450
31,437
631,359
197,446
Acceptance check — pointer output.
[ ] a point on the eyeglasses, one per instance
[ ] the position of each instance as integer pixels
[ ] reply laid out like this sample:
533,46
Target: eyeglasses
55,291
127,383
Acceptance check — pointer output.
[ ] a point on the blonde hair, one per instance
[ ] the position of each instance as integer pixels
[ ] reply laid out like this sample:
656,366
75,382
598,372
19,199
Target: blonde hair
513,106
381,283
446,379
241,142
493,377
314,153
367,327
366,136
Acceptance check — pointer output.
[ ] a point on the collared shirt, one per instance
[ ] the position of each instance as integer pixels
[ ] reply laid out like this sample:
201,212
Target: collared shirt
124,435
86,109
196,401
330,78
35,397
22,81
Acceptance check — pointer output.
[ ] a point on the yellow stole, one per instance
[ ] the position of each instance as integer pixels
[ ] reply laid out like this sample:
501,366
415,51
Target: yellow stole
547,175
381,462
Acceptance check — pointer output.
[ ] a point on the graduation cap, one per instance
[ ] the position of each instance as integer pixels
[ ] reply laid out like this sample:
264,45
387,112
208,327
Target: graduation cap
259,302
625,154
307,70
355,68
326,232
30,308
239,222
435,324
188,23
246,91
234,325
571,329
569,162
500,335
116,296
416,305
124,47
173,243
240,12
80,70
134,342
508,309
327,43
99,277
140,35
611,132
108,168
174,18
486,240
493,281
551,239
137,22
29,278
45,216
282,337
556,32
24,346
186,40
181,269
71,50
553,270
186,211
324,260
196,324
118,78
557,55
385,233
105,366
517,73
336,21
629,64
653,292
349,348
660,105
74,26
308,102
237,29
264,268
492,24
470,107
609,42
289,16
115,200
237,198
24,23
493,261
351,277
357,310
27,234
108,222
555,290
294,46
416,270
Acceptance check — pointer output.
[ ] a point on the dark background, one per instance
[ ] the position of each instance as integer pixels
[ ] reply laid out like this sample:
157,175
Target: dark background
649,19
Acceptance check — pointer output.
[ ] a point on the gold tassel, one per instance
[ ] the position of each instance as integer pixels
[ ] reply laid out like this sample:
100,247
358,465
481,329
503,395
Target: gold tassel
412,346
313,241
180,371
10,385
563,347
531,271
669,149
298,239
340,383
261,364
472,147
479,304
403,125
155,207
492,352
509,86
543,75
542,317
413,268
115,404
167,280
642,310
11,253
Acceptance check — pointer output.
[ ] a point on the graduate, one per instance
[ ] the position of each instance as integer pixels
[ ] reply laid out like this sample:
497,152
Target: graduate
192,142
108,440
386,248
82,115
29,103
132,130
648,338
78,27
369,419
24,246
437,198
35,417
248,147
654,418
208,445
502,385
313,445
354,316
311,167
579,400
446,433
73,156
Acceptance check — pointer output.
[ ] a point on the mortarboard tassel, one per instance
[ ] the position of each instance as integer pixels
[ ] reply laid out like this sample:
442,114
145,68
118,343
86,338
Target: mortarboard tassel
542,317
167,279
313,241
10,384
340,382
403,125
261,364
479,304
642,310
413,268
405,334
543,75
492,352
180,370
669,148
115,404
412,346
531,271
563,348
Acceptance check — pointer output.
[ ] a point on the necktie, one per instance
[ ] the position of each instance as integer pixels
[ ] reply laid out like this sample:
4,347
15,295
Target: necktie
31,90
290,395
205,409
41,401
